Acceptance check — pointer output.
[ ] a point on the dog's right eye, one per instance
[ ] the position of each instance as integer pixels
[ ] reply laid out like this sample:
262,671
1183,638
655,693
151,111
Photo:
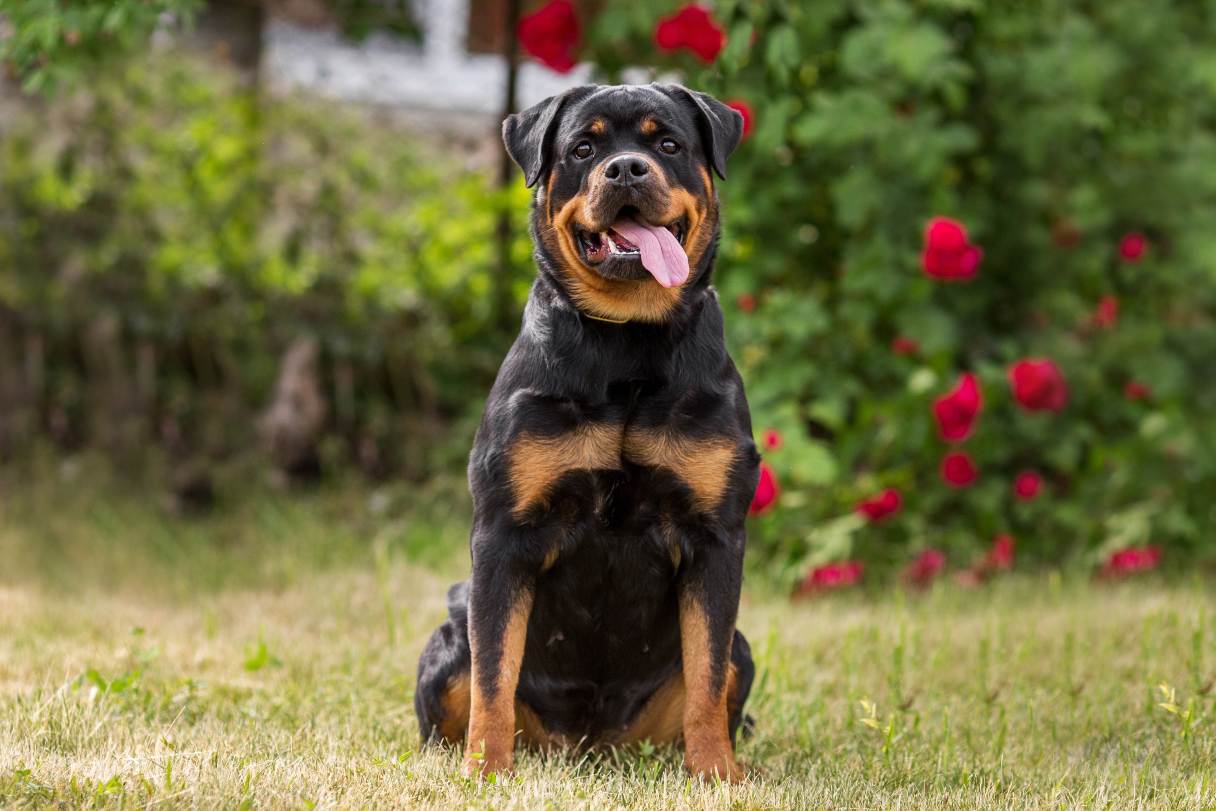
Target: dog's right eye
583,151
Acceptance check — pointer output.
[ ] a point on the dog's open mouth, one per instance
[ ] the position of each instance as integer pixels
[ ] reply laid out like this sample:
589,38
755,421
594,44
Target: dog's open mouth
629,242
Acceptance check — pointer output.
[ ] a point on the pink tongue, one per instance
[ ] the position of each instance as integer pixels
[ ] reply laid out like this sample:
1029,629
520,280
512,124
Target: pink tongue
661,251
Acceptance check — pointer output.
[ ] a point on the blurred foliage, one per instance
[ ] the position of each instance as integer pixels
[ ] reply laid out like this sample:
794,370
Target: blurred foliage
360,18
48,44
1050,129
213,228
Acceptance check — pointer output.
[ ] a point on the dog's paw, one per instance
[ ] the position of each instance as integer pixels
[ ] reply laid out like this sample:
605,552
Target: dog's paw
485,761
719,767
476,765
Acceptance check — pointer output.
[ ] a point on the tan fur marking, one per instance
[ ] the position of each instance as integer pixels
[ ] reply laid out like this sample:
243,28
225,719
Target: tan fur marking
701,221
707,749
455,703
732,691
661,719
550,559
649,126
456,698
598,127
621,299
531,730
538,462
703,465
492,717
671,537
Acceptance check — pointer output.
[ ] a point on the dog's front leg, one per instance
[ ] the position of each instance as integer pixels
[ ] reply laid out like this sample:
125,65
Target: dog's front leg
709,602
500,601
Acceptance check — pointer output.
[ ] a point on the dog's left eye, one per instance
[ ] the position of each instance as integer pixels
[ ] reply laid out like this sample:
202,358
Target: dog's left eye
583,150
669,146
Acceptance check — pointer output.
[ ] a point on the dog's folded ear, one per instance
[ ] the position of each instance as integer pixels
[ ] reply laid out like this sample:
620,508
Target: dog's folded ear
528,135
721,128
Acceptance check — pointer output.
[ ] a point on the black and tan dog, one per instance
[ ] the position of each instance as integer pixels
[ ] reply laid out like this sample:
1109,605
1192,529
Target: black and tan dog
614,465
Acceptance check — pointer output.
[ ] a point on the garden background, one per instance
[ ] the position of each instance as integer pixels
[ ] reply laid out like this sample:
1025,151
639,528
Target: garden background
968,267
169,233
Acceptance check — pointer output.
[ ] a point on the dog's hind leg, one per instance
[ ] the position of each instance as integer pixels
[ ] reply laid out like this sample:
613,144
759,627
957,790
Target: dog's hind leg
739,686
441,697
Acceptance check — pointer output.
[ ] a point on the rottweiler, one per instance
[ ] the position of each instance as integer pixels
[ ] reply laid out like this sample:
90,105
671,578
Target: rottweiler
614,464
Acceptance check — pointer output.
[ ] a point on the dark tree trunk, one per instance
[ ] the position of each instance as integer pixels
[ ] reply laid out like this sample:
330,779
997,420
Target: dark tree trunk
506,171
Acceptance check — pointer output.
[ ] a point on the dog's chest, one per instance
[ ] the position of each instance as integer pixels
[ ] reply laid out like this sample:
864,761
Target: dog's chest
663,456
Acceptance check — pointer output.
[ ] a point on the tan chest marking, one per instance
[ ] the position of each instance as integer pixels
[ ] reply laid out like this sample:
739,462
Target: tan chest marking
704,465
536,463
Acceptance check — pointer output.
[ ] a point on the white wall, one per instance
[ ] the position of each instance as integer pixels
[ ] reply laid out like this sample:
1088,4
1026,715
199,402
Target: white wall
438,75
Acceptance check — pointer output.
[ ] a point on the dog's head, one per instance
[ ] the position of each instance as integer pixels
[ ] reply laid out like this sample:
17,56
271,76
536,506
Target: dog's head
626,212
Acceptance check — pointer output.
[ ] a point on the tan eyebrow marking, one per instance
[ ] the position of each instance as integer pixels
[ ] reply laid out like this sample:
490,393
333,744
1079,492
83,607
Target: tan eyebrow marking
598,126
649,126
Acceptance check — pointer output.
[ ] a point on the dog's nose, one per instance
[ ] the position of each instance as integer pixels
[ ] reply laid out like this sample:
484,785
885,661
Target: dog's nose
626,170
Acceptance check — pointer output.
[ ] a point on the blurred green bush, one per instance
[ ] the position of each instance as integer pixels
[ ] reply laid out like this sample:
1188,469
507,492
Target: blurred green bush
1050,130
165,235
211,230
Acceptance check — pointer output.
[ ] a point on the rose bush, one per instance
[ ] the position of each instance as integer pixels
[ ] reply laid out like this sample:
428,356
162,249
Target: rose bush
933,193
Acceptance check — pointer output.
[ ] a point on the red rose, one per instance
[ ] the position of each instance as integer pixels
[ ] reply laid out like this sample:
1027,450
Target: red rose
766,491
1026,486
902,345
948,255
958,469
829,577
1132,560
744,109
746,302
771,439
694,28
1000,556
881,506
1132,246
1135,390
1038,385
956,410
921,571
550,34
1106,313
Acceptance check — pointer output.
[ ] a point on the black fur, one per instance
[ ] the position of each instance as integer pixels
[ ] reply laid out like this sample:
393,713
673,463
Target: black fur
604,629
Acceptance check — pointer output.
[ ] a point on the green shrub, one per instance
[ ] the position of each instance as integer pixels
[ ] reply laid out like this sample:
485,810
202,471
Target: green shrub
1050,130
212,228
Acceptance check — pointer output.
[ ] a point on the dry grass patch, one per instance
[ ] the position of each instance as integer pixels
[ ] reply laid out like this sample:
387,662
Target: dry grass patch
230,677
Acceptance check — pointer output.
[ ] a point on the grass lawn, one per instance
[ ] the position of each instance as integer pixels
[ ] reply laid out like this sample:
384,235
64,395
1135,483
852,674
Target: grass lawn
265,658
